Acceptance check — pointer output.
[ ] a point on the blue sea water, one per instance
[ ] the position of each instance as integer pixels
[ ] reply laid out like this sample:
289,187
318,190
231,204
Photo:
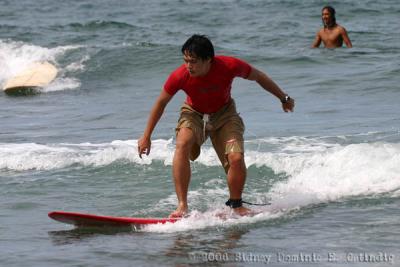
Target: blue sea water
330,170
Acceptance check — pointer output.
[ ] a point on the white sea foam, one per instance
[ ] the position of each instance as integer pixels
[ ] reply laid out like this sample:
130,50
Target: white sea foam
30,156
322,174
353,170
211,218
316,172
299,157
15,57
60,84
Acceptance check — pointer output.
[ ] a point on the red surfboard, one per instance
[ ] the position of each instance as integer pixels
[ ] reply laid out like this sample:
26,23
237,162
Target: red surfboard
91,220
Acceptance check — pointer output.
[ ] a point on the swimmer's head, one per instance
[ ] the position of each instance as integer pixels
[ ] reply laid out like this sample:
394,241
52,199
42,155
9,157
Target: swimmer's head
328,16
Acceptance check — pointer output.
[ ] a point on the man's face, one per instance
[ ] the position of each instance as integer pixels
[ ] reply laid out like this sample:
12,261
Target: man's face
326,17
195,65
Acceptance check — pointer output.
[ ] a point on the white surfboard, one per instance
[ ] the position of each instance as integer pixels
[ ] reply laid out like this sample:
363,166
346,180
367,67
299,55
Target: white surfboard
38,74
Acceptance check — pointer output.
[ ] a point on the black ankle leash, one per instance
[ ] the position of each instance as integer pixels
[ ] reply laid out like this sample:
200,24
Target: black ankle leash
237,203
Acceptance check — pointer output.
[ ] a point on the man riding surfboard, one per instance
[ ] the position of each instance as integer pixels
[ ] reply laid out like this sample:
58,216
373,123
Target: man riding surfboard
209,111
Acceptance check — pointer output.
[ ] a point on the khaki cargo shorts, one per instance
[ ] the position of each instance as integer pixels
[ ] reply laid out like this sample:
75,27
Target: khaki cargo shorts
225,129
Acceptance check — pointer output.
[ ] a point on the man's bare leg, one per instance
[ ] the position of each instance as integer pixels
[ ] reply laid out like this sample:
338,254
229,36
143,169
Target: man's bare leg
236,178
181,169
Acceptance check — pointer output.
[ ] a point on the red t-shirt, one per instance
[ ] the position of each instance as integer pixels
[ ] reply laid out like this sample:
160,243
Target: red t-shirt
207,94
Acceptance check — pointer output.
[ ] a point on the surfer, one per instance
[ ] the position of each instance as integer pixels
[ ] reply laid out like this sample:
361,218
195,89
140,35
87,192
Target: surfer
209,111
332,34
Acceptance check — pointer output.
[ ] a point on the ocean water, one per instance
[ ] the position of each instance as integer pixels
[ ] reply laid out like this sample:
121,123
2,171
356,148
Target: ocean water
331,169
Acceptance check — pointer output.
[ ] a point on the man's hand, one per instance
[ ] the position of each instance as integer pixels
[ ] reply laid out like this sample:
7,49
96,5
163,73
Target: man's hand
288,106
144,145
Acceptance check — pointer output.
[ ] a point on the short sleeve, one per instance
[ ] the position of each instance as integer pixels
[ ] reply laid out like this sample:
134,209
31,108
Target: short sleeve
240,67
174,81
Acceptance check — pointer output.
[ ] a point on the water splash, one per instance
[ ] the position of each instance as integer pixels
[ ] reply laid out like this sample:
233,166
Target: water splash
15,57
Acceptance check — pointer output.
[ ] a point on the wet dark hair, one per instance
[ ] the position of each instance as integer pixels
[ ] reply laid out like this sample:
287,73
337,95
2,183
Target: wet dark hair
199,46
331,11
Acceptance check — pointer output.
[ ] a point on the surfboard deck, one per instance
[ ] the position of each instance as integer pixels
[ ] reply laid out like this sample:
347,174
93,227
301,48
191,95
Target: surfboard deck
37,75
92,220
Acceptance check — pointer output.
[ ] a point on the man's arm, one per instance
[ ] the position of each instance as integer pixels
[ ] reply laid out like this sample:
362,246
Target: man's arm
269,85
345,37
317,41
144,143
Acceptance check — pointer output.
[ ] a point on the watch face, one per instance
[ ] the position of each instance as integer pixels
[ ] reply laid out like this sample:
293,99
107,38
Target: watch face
286,99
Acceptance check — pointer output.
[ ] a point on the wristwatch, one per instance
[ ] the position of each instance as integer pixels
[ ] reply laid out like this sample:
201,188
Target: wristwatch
285,99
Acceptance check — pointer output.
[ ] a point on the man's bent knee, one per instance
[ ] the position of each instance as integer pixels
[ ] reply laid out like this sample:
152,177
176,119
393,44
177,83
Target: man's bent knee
236,159
184,140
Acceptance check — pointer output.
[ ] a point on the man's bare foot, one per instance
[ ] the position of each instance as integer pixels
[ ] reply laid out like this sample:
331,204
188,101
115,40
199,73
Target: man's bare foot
243,211
180,212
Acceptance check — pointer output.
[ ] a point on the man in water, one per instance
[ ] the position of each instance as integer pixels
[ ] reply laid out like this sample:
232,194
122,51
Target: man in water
209,111
332,34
